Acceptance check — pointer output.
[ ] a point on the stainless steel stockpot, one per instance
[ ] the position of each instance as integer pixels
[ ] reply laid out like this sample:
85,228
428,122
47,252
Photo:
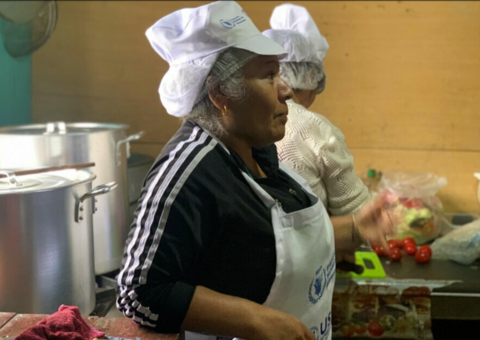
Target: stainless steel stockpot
46,248
59,143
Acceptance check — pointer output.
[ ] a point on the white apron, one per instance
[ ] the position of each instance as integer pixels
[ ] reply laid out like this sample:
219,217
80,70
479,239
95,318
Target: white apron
305,272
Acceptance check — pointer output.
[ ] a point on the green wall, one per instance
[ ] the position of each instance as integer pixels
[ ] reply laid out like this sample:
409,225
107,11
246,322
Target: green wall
15,87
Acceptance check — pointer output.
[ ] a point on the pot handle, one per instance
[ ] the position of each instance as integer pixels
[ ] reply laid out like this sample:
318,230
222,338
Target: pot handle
100,190
10,178
53,127
126,141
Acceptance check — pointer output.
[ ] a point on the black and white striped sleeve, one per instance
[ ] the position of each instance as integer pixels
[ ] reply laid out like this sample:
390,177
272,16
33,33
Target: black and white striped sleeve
167,236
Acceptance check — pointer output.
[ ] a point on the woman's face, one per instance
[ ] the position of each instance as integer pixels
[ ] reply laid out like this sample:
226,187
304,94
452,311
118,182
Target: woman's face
259,119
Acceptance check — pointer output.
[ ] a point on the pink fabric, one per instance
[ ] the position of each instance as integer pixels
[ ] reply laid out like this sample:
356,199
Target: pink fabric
65,324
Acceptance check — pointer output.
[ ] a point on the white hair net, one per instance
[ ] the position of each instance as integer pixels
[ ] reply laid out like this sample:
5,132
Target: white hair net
303,75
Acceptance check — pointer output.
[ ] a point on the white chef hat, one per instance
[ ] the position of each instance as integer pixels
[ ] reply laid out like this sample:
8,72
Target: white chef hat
191,39
294,29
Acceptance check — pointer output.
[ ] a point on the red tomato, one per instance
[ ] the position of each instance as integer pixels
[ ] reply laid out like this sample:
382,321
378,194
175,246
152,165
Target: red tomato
379,250
392,244
375,328
347,330
360,328
426,249
409,240
422,257
410,249
428,228
398,243
395,254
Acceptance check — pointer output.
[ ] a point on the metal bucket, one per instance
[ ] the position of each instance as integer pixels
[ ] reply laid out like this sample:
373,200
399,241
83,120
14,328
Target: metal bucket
46,241
53,144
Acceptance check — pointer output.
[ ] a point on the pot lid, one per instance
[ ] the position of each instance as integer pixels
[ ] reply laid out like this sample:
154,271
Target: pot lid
12,184
61,128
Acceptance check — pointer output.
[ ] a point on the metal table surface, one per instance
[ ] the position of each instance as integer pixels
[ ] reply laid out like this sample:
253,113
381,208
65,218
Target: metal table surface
407,268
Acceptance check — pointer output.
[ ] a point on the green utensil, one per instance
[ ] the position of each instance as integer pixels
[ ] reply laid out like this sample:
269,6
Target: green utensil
372,267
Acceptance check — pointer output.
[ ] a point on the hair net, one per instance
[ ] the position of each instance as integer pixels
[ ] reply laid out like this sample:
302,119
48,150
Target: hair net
302,75
228,62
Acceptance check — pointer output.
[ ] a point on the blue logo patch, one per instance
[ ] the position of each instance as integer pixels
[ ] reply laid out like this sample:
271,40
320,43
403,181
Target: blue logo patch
231,23
317,286
323,333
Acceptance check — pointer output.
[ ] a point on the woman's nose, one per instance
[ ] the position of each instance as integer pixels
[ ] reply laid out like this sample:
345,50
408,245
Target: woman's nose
284,91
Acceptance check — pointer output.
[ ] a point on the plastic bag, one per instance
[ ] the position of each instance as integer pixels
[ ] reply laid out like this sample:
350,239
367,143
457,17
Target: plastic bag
461,245
413,196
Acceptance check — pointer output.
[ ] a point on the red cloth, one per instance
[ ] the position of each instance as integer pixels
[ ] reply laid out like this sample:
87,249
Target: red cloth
66,324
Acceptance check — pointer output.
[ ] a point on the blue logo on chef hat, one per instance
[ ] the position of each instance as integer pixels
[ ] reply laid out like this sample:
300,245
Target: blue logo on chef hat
231,23
317,286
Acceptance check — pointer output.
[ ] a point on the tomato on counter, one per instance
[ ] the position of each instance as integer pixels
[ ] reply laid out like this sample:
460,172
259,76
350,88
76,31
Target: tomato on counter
426,249
375,328
392,244
410,249
360,328
395,254
347,329
409,240
379,250
422,257
398,243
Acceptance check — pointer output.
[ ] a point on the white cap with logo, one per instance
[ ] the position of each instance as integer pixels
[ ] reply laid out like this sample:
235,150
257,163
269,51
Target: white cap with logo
294,29
191,39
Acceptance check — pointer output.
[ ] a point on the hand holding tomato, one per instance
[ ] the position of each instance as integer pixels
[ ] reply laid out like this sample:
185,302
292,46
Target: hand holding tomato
374,222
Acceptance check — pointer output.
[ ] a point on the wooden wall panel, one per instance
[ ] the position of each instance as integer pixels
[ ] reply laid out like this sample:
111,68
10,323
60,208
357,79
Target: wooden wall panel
402,79
403,74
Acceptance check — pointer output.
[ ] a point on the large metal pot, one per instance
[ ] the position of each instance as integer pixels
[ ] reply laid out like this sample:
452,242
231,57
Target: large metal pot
46,248
53,144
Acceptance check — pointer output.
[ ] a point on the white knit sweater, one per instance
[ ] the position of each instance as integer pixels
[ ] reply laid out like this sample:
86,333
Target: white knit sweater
316,149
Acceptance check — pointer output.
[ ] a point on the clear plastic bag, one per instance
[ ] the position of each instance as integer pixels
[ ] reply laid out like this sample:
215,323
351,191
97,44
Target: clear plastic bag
413,196
462,245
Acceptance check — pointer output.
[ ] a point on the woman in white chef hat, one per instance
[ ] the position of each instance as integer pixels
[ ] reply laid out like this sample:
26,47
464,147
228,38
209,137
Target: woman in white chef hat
313,146
226,240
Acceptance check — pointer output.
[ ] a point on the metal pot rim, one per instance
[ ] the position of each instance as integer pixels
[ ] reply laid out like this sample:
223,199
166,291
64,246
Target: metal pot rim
39,129
33,189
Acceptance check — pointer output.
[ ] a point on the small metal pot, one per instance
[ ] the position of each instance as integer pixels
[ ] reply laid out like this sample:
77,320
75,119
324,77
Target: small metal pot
46,241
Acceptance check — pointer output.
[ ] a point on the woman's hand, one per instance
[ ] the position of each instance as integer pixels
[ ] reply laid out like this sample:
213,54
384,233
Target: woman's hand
375,221
346,262
211,312
276,325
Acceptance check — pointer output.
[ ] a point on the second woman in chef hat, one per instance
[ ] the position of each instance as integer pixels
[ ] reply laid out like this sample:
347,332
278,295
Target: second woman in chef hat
312,145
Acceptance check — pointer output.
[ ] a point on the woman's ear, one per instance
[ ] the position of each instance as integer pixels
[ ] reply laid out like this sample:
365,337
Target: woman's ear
218,98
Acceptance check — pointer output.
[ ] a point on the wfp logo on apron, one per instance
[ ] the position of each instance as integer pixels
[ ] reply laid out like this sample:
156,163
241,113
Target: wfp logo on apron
317,286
